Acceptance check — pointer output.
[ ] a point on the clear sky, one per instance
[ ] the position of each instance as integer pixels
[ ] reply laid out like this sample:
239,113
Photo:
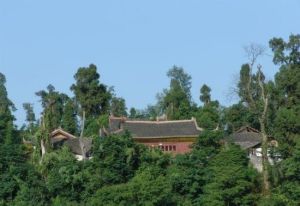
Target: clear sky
135,42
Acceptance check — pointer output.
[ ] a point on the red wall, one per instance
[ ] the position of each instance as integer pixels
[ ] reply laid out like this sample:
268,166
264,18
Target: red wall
181,147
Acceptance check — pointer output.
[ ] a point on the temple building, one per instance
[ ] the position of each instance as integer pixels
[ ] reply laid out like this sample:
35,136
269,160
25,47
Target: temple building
174,137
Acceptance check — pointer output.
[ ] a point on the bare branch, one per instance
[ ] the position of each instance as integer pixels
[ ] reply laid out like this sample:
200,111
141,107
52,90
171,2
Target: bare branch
253,51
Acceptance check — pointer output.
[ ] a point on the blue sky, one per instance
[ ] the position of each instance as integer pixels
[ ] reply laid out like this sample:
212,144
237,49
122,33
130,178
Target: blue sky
135,42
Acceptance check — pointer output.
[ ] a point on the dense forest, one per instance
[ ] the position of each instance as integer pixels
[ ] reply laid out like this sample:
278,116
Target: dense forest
122,172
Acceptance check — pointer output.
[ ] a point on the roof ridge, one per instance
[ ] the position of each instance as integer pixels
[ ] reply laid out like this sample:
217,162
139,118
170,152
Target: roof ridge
117,117
62,131
166,136
158,122
243,128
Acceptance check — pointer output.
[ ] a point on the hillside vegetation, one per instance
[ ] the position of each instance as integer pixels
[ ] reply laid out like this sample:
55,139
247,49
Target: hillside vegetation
122,172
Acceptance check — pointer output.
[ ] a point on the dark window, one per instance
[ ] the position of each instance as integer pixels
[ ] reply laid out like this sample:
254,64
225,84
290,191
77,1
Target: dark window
170,147
174,147
167,148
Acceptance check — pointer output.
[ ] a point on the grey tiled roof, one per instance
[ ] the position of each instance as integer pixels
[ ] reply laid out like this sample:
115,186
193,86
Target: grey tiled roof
56,140
160,129
59,137
115,123
75,148
246,138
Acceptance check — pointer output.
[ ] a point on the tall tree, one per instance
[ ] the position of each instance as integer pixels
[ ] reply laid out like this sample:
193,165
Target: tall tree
287,88
184,79
69,118
208,115
205,94
6,117
53,107
30,116
253,91
176,101
12,157
118,107
286,124
132,113
92,96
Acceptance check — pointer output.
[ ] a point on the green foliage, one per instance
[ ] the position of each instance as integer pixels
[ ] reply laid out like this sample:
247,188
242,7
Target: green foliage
30,116
103,121
150,113
12,168
230,180
287,87
179,75
249,89
209,142
53,105
205,94
122,172
287,129
28,131
287,190
32,190
6,117
65,178
92,128
93,97
239,115
69,118
132,113
286,52
148,187
176,102
208,116
116,157
118,107
58,201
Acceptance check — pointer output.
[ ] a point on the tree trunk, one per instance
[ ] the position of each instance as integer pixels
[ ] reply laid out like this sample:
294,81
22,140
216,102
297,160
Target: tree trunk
253,52
82,147
262,121
43,149
43,146
265,160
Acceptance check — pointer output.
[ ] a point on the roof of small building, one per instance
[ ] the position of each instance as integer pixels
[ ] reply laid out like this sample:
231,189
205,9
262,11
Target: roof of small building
74,145
157,129
60,133
246,137
61,137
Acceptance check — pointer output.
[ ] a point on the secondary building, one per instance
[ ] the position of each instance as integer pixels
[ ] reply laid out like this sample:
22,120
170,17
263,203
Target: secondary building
250,140
60,138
